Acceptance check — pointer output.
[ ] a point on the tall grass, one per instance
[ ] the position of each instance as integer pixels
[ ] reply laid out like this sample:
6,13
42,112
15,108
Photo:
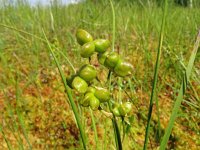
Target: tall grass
179,99
19,115
136,37
155,77
68,90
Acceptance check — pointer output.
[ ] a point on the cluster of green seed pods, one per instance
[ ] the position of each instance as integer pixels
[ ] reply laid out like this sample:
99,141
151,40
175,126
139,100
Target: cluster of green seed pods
82,81
121,110
114,62
94,96
111,60
90,46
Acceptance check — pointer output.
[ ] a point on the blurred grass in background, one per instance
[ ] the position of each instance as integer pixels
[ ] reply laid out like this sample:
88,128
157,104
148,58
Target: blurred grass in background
32,102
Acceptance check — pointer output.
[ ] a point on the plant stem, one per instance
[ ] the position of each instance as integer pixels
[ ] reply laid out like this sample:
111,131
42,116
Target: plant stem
113,25
155,77
19,115
94,128
114,121
4,137
69,94
179,98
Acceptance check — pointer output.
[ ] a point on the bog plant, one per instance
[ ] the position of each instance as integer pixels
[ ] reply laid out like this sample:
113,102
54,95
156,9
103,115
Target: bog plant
82,82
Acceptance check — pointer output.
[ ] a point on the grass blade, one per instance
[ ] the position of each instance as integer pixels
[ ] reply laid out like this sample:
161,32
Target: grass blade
114,121
19,115
69,94
113,25
155,77
4,137
94,128
179,98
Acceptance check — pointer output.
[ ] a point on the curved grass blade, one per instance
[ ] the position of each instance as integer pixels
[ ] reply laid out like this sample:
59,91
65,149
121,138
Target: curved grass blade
155,77
19,115
114,121
113,25
94,128
6,140
69,94
179,98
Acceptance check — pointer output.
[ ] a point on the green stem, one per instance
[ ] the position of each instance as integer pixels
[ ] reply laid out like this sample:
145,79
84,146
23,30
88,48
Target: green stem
6,140
159,127
69,94
155,77
93,119
114,121
179,98
94,128
19,115
113,25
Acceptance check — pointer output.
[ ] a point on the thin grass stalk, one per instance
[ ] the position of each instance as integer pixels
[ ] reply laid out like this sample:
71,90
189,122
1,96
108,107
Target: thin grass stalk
93,123
14,126
182,91
94,128
118,140
114,121
113,25
19,115
104,141
69,94
5,138
155,76
159,126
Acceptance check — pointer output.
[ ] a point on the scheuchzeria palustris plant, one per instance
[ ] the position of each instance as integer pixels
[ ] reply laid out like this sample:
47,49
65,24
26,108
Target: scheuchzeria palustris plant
91,95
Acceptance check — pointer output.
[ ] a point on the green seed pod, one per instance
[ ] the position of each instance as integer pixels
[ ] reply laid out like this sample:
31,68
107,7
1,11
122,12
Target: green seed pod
102,57
102,94
125,108
123,68
69,80
91,89
85,101
94,103
111,60
83,36
122,110
87,49
87,72
79,84
128,106
116,112
101,45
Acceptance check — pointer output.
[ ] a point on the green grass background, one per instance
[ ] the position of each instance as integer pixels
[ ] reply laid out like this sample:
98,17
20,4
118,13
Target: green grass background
32,103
